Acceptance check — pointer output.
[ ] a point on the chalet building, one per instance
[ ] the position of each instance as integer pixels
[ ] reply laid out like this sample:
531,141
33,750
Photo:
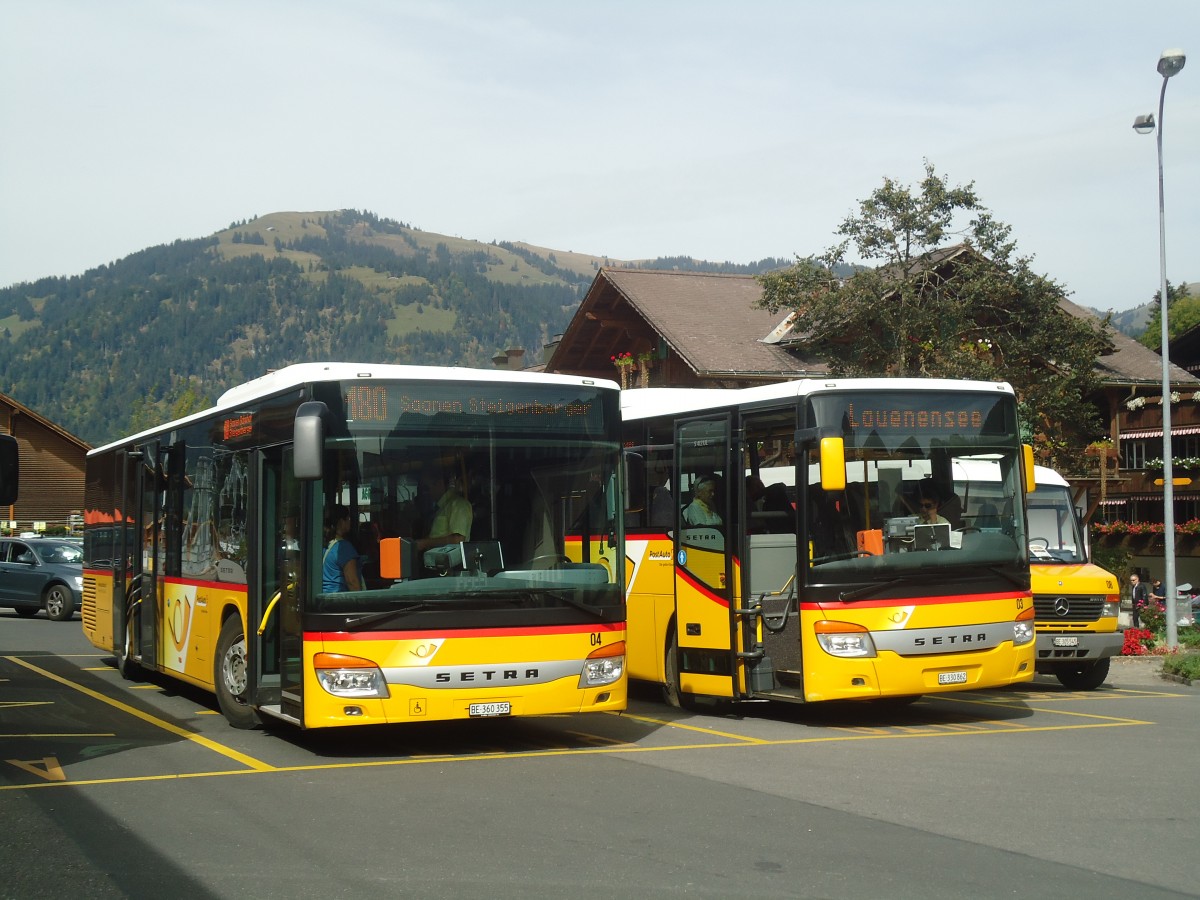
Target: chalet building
52,464
677,329
649,328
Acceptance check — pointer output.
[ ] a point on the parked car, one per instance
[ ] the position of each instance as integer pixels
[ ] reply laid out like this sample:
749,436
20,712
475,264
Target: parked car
41,573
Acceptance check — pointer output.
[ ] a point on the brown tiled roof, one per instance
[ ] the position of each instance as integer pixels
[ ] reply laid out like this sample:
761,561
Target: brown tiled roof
713,324
711,321
1129,363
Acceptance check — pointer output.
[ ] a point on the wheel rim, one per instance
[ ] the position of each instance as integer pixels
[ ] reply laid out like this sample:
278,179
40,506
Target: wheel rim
233,669
55,602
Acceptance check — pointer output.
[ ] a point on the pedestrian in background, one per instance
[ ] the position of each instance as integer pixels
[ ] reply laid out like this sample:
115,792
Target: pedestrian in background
1138,597
1157,594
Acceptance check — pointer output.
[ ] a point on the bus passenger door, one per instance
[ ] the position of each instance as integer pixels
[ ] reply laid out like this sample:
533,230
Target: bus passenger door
705,629
135,573
274,600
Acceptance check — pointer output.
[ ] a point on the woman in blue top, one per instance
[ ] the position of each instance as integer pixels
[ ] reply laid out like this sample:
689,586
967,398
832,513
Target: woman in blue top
339,571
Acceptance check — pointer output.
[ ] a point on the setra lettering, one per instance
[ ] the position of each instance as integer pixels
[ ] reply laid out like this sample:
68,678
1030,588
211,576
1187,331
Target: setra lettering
951,640
486,675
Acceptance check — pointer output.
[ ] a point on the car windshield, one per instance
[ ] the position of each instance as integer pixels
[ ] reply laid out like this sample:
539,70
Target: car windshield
62,553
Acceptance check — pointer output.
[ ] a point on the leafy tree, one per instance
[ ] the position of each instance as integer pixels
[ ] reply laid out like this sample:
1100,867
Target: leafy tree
1183,314
944,293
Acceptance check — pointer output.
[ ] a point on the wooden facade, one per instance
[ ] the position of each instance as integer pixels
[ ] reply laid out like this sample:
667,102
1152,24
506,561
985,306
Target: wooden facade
52,466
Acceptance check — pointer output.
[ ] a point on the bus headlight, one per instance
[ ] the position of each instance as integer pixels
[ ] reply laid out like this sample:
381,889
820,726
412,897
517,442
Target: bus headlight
844,639
1023,631
1111,608
349,676
603,666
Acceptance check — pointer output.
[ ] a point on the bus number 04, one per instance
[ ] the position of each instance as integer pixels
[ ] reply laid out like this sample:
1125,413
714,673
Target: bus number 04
596,639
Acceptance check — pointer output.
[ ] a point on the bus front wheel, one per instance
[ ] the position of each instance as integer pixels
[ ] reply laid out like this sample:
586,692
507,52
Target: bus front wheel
1083,676
231,675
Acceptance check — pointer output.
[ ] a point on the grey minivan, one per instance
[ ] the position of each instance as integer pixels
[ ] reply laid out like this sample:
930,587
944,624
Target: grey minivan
41,573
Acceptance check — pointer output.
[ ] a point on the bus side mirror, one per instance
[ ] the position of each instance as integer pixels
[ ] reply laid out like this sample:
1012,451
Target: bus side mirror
833,464
308,436
9,469
1027,458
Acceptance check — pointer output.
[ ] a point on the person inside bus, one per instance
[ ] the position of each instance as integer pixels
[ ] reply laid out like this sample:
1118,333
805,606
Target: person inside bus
339,571
701,511
929,504
452,513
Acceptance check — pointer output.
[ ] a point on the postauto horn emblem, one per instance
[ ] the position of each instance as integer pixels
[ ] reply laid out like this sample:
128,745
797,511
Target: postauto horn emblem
1062,606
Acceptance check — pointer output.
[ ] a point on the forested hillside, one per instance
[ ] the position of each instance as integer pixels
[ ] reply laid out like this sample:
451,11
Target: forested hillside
166,330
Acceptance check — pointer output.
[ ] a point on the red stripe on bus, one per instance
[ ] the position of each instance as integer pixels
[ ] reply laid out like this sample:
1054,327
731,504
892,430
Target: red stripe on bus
915,601
699,587
218,585
393,635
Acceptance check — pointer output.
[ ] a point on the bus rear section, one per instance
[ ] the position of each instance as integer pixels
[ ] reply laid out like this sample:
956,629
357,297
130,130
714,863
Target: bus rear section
821,575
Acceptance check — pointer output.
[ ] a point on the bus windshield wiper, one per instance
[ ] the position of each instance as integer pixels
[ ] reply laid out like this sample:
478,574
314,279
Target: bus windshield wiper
1004,573
868,589
565,597
356,623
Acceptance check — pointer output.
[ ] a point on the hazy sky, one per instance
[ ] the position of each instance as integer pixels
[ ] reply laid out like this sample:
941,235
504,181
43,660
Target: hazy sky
724,131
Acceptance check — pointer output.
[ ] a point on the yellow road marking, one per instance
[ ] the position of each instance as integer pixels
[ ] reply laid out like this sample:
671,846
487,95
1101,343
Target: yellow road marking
229,752
741,738
65,734
47,767
583,751
16,704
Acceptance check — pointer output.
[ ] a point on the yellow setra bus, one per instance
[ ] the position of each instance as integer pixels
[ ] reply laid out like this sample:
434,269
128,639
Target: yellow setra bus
804,542
342,544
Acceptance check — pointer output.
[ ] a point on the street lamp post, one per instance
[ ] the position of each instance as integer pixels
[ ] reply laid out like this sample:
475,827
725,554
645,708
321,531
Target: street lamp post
1169,64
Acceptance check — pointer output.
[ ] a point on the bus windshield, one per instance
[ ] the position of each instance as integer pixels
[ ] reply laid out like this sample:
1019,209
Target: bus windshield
1055,535
505,505
908,506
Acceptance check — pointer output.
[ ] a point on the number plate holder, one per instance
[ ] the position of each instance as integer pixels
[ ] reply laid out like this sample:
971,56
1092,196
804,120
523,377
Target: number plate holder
489,710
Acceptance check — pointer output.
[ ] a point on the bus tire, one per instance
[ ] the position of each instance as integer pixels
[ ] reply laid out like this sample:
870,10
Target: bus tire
123,651
230,675
59,602
1083,676
671,692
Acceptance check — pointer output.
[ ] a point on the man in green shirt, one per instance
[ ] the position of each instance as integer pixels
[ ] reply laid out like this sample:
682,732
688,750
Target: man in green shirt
452,516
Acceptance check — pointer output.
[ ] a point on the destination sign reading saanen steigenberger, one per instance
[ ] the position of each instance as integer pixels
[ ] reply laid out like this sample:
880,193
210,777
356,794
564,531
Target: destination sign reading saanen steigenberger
513,406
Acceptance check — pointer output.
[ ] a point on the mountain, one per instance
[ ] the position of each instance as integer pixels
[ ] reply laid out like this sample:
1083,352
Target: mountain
1130,322
166,330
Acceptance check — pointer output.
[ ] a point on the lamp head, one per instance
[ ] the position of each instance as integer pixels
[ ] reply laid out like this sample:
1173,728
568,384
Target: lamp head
1144,124
1171,62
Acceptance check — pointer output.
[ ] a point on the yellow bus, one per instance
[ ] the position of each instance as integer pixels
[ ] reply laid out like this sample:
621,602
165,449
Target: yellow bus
803,542
207,549
1078,603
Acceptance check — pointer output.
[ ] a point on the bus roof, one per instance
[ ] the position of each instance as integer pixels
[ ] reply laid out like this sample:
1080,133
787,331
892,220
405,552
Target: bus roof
648,402
295,376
